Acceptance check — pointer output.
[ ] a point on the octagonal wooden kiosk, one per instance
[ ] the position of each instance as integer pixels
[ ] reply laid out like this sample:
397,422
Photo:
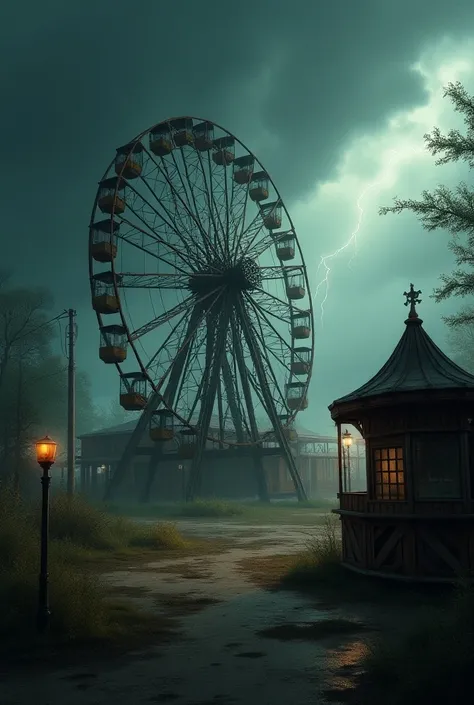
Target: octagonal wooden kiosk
416,519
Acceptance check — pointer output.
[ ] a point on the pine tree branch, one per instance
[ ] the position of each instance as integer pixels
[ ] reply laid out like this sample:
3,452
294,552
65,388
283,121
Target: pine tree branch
443,208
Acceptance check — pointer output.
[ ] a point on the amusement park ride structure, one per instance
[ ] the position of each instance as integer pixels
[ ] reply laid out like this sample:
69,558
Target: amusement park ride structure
195,262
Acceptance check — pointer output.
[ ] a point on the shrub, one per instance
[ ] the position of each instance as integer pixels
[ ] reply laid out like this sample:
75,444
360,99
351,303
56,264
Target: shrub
78,599
321,559
74,520
161,536
210,508
81,608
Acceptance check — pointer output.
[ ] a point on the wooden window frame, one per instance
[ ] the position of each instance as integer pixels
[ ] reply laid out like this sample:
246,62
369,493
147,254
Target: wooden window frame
389,460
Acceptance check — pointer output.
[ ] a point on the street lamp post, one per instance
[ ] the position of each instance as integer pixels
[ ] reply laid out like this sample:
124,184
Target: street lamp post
346,444
45,455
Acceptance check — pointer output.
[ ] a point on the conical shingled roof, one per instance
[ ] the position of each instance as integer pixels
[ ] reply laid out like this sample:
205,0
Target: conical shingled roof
416,364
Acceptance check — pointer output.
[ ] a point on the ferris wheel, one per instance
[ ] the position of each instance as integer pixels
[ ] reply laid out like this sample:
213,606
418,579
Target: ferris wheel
201,294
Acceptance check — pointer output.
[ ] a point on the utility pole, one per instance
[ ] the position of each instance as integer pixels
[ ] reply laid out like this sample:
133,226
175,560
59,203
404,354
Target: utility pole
71,402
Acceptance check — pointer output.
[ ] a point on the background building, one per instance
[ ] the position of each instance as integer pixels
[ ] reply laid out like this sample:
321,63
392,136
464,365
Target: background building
227,472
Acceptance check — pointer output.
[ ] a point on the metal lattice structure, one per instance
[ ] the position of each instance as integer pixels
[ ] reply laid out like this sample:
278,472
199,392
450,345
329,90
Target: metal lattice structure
201,294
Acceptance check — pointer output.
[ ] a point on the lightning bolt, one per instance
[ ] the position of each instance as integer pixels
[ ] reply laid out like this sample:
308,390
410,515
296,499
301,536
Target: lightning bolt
352,240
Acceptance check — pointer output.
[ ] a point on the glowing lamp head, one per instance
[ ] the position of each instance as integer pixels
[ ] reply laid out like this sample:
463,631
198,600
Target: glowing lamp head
46,451
346,439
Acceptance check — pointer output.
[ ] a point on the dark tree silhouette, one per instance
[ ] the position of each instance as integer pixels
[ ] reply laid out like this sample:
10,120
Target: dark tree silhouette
451,210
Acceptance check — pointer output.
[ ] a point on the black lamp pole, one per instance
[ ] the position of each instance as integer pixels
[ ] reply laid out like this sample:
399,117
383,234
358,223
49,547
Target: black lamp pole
43,596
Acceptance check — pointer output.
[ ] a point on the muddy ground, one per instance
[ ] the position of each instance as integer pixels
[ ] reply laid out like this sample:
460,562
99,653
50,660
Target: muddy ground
240,645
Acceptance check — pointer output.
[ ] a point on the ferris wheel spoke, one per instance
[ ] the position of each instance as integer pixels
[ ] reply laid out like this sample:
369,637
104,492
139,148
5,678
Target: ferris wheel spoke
185,305
180,210
162,212
163,318
273,305
274,273
237,217
130,280
136,237
198,209
192,207
270,238
263,342
160,231
249,234
217,208
210,204
268,336
275,390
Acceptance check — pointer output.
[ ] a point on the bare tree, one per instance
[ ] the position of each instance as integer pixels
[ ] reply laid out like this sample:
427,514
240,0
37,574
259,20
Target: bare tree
24,329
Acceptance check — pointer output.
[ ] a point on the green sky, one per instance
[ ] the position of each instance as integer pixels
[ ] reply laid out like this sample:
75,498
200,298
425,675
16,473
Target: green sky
334,98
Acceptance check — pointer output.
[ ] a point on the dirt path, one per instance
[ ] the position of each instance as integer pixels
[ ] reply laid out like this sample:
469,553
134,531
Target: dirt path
221,656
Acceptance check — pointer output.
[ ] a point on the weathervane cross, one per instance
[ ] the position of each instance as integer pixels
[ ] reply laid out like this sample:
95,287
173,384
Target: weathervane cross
412,297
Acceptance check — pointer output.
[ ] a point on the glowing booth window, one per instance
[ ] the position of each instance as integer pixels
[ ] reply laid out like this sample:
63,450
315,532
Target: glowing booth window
389,473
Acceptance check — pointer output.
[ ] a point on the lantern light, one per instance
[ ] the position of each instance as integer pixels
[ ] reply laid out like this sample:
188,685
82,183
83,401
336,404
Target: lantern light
346,439
46,451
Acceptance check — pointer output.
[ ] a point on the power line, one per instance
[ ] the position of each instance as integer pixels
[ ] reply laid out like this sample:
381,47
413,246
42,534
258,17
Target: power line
43,325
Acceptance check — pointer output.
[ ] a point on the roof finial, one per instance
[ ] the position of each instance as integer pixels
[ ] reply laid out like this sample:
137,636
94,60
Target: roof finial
412,299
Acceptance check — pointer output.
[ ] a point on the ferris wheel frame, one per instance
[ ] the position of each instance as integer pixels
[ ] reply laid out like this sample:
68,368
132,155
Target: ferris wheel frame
285,271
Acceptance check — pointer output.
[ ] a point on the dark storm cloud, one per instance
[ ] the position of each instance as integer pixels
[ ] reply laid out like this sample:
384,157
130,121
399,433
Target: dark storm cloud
79,79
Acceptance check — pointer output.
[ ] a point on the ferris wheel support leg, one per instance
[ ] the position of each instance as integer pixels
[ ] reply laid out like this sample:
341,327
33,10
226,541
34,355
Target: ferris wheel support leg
153,464
208,395
270,408
231,399
153,403
262,487
129,452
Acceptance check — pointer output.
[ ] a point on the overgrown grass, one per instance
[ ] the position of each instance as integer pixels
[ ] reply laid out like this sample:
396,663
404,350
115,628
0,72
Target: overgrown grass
210,508
283,510
81,608
320,562
319,568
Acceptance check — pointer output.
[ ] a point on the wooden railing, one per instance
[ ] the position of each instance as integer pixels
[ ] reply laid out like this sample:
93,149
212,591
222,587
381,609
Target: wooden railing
360,502
353,501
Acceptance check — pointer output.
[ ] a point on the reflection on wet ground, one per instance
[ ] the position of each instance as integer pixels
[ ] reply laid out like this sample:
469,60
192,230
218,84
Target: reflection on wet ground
243,644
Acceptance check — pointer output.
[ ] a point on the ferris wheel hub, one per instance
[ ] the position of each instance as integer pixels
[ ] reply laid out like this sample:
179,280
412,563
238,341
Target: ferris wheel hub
244,275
